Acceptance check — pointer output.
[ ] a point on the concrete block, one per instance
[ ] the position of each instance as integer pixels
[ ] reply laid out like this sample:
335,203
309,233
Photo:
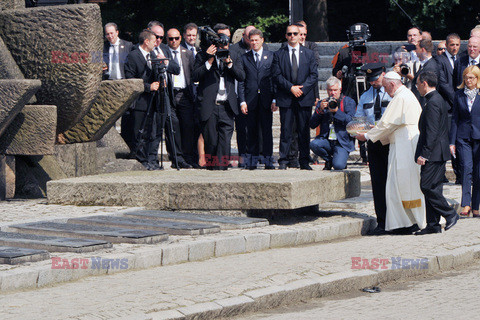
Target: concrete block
302,290
305,236
346,281
200,311
166,315
147,258
282,238
257,242
174,253
129,260
201,250
269,297
78,159
62,46
113,140
18,279
48,276
229,246
15,94
32,132
235,305
8,66
114,98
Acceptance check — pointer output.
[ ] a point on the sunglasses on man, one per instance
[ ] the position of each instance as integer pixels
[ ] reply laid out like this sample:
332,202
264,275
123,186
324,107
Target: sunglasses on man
292,34
159,37
173,38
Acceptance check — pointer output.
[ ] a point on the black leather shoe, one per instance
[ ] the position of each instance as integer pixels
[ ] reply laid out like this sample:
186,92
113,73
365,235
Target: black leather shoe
378,232
181,165
251,167
282,166
293,164
328,165
451,222
269,167
155,166
427,231
196,166
305,167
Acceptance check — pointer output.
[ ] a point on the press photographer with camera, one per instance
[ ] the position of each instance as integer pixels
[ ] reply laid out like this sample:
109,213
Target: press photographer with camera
216,72
333,143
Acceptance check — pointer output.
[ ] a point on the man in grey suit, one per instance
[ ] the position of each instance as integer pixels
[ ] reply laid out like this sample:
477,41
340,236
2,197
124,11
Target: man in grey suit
115,52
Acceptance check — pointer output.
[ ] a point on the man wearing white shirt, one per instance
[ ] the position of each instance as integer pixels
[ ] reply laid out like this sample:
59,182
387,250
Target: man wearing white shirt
472,58
190,34
427,63
115,52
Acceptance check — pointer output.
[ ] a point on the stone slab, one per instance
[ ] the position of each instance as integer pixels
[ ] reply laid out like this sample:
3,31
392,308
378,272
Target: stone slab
15,94
114,98
171,227
51,243
62,46
224,222
8,66
32,132
12,4
13,255
113,140
110,234
77,159
207,190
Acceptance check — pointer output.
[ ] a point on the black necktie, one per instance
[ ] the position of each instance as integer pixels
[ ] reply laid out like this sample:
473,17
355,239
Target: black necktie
377,107
149,64
257,59
454,58
193,51
175,58
294,67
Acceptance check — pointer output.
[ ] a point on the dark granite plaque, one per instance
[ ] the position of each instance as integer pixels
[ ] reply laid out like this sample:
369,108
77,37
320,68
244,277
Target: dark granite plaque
172,227
224,221
110,234
51,243
12,255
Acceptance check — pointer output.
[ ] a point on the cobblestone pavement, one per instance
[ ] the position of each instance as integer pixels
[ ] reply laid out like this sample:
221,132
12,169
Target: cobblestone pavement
449,295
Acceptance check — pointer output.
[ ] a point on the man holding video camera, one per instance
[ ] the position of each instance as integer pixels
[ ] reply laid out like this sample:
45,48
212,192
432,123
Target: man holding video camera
216,73
333,143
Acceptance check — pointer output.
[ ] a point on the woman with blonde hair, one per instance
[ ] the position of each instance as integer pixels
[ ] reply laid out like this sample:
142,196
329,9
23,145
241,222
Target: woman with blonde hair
465,138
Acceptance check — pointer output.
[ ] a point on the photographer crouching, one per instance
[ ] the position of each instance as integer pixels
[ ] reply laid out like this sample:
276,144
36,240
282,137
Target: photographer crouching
216,72
333,143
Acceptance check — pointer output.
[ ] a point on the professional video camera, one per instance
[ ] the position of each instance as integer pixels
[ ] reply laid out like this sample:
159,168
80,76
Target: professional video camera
209,37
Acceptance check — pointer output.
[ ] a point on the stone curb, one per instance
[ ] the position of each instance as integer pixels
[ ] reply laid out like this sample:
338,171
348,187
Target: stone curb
309,288
203,248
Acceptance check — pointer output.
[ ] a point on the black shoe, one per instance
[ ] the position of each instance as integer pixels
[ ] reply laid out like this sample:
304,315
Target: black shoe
458,181
155,166
305,167
251,167
241,165
181,165
147,166
451,222
269,167
293,164
427,231
196,166
378,232
328,165
282,166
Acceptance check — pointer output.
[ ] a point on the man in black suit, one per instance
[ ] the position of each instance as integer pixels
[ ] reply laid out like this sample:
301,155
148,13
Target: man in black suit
183,98
239,49
472,58
190,32
217,100
138,66
446,62
115,52
432,152
295,75
256,101
174,148
427,63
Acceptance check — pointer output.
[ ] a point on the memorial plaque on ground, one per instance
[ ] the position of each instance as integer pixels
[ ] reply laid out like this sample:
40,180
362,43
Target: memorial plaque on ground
223,221
51,243
11,255
172,227
110,234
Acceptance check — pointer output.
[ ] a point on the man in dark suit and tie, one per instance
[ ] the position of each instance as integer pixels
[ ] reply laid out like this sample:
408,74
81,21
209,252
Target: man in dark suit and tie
217,100
190,32
472,58
138,66
115,52
295,74
256,101
427,63
183,98
446,63
432,152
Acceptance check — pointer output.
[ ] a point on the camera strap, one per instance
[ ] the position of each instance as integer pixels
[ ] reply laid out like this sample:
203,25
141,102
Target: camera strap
341,103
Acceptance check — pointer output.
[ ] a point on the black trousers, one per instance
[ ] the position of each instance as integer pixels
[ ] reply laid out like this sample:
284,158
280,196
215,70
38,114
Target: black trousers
262,117
301,116
378,165
185,112
217,133
431,184
241,128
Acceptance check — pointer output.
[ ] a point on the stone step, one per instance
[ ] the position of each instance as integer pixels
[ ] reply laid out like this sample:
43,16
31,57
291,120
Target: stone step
104,156
171,227
324,74
120,165
14,255
110,234
51,243
224,222
325,62
207,190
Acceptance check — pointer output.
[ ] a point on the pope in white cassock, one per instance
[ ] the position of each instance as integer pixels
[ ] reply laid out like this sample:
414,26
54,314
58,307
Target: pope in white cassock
399,127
